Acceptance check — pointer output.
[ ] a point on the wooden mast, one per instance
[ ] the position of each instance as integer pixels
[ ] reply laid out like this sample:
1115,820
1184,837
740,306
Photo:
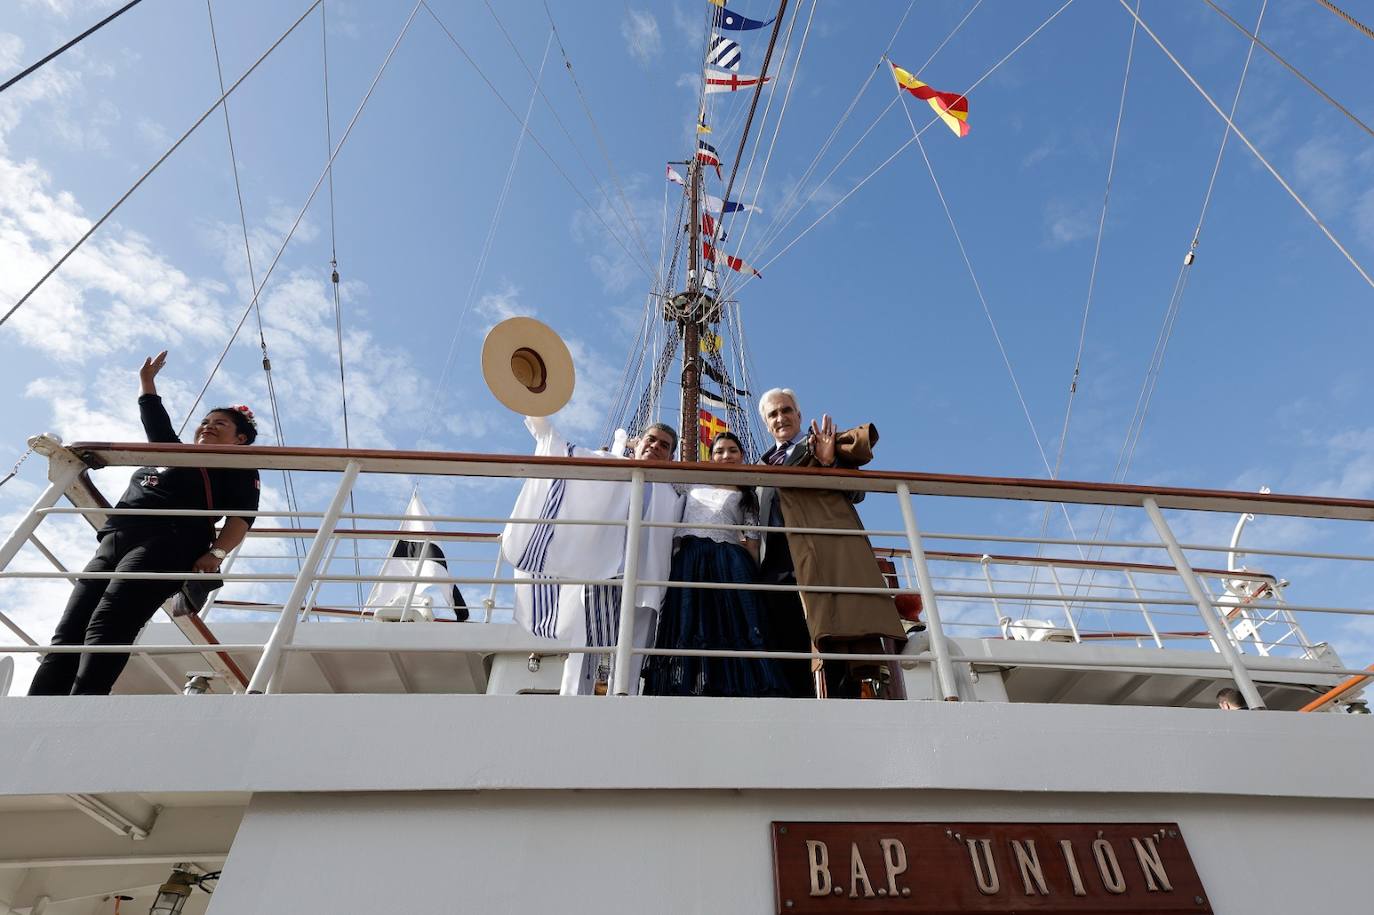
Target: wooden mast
690,318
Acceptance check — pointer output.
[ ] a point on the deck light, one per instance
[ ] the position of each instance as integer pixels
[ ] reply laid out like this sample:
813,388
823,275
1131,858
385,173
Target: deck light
172,895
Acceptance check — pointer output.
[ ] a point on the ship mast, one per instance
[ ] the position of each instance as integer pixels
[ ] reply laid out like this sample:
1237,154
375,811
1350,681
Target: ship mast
693,307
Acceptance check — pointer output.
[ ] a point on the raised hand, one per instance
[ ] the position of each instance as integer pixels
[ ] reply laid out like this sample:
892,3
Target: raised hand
823,440
146,375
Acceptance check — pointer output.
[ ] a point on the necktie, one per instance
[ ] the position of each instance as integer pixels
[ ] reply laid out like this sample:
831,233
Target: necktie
778,457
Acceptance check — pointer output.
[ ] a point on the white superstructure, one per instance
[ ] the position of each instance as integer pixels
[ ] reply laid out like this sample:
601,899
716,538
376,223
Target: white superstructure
422,766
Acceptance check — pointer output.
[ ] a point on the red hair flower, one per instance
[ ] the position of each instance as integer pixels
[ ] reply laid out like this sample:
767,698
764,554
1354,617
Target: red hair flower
247,414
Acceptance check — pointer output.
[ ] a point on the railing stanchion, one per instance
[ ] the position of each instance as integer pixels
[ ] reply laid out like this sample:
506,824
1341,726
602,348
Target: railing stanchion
944,668
266,677
64,477
1221,635
489,602
1144,610
1068,606
624,644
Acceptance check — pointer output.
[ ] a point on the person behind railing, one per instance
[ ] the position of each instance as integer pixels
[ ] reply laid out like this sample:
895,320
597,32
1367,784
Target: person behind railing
1230,699
715,618
104,611
544,553
837,623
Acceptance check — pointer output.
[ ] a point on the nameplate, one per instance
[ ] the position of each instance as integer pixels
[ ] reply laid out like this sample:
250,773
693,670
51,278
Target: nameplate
932,868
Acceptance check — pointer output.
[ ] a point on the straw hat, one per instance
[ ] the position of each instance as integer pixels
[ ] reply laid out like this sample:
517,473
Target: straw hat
528,367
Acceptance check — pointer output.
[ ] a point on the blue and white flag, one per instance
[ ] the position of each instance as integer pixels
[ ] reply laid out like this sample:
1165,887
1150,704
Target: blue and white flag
737,23
716,205
723,53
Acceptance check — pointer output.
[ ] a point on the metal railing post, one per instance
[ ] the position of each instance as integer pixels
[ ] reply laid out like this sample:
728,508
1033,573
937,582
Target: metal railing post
944,668
28,524
1221,635
1144,610
1068,606
628,592
225,568
266,676
489,602
984,564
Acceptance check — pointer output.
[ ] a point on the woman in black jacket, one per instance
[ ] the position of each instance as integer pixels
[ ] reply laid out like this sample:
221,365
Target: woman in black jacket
112,612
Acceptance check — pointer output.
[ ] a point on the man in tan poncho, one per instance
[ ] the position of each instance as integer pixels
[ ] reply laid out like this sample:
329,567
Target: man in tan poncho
848,623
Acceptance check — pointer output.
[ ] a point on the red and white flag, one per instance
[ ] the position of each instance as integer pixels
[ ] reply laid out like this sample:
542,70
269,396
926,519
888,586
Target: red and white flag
734,263
720,81
674,177
708,227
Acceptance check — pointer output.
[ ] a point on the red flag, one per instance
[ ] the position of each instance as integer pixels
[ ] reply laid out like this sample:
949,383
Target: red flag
708,227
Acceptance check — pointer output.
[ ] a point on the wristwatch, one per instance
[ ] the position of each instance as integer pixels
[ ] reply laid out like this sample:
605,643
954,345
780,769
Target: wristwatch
218,553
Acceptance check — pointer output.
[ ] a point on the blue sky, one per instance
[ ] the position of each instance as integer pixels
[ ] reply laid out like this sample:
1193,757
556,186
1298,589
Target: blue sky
871,315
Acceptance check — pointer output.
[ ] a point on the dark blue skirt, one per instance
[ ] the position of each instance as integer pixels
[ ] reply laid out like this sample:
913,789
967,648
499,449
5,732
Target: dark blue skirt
712,619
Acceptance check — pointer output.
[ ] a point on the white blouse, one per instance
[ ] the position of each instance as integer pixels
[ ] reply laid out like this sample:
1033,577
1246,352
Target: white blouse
716,505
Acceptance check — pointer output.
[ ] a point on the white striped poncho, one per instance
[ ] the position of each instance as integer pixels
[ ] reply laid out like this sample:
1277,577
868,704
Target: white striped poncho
546,553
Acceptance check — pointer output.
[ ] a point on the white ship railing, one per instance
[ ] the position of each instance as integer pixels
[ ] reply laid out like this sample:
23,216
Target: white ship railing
1253,615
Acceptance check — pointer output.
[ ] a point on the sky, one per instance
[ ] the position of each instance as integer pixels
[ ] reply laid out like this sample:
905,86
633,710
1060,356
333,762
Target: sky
445,216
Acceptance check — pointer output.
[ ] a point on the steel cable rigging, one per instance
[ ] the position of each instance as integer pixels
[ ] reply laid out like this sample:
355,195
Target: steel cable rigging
288,484
152,168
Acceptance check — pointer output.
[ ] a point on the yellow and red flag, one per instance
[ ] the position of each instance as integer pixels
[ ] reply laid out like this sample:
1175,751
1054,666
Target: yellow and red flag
710,426
951,107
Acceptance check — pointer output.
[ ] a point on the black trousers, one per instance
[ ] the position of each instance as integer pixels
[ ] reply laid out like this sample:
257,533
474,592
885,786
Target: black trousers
786,619
101,611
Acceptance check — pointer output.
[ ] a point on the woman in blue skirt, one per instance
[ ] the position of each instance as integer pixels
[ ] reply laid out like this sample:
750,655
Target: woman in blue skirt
714,618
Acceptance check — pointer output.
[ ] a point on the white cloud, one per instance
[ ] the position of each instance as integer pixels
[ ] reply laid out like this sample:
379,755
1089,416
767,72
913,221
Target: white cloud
11,52
1363,216
1067,224
618,260
642,38
1320,170
154,132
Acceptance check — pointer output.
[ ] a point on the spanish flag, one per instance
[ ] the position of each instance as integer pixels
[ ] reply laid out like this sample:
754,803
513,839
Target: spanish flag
710,426
949,106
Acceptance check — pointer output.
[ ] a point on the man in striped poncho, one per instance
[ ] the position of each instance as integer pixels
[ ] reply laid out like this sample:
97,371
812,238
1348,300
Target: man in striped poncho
545,553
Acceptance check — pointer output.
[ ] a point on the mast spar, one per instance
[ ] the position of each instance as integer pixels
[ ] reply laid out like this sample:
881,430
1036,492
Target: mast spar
694,308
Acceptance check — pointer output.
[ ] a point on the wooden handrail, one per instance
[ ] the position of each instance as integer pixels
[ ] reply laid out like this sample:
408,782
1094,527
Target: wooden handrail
1337,691
99,454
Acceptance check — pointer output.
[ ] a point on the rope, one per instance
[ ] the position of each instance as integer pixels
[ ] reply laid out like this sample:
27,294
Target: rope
1087,305
987,312
834,132
1254,39
1368,33
163,158
257,293
288,484
79,38
620,217
1135,429
778,226
1251,146
749,118
934,120
772,143
480,269
334,283
637,232
1097,254
535,139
